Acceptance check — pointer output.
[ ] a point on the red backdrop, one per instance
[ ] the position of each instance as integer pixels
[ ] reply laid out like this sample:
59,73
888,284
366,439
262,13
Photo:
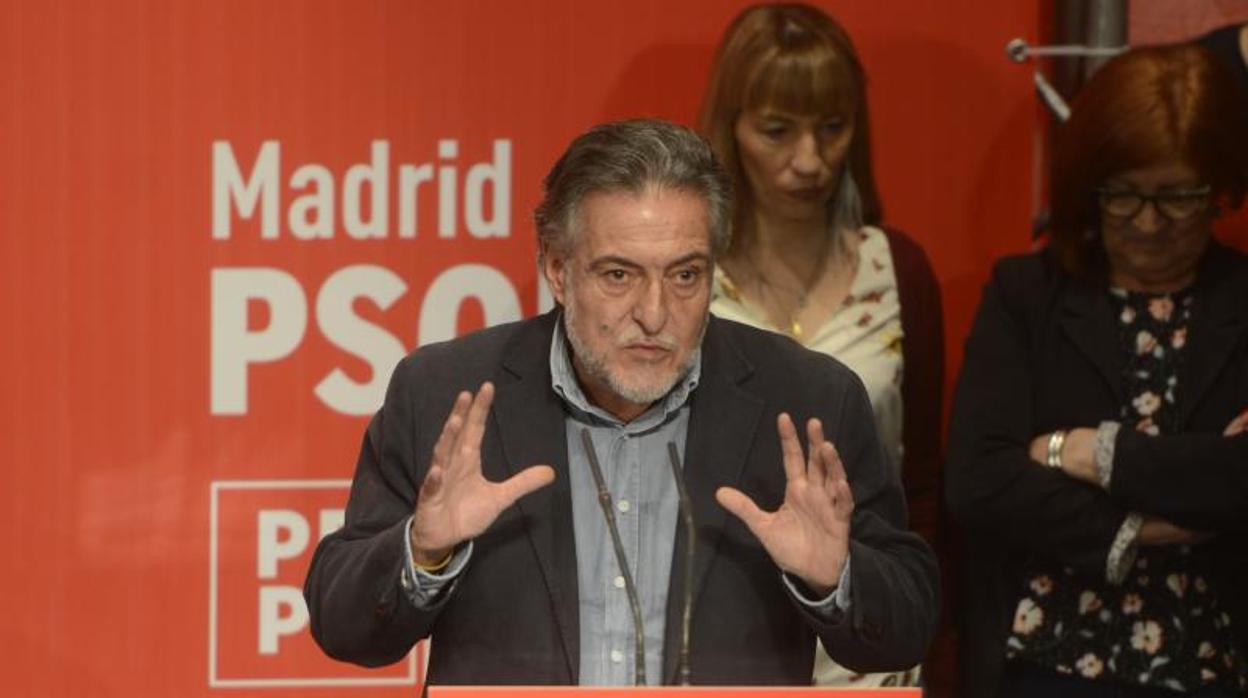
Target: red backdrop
184,395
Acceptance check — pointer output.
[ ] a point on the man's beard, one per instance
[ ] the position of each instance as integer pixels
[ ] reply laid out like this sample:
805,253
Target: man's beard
595,365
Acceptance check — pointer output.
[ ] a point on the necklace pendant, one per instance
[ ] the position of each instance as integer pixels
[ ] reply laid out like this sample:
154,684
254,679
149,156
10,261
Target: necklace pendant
796,328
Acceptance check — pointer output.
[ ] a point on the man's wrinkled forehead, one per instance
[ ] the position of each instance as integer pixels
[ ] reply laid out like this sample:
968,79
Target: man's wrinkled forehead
579,215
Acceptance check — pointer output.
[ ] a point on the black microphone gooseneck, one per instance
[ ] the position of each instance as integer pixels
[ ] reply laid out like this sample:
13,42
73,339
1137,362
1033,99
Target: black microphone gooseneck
604,499
683,672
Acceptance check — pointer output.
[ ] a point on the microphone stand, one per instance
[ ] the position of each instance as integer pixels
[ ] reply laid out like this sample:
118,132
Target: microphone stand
634,601
683,671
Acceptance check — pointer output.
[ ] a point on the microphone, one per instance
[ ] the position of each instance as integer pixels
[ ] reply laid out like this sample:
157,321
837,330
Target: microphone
683,671
634,601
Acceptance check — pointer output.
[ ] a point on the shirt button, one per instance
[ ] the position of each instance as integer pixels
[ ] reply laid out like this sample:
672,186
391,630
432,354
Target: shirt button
623,506
619,582
617,656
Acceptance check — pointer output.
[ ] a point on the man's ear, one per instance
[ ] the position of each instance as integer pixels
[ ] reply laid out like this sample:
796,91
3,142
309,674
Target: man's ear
553,266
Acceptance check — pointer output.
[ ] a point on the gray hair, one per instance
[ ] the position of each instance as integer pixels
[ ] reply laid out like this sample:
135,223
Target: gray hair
632,156
847,206
846,210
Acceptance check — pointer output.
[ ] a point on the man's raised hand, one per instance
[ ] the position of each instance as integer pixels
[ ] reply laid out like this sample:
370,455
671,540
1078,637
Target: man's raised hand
456,502
808,536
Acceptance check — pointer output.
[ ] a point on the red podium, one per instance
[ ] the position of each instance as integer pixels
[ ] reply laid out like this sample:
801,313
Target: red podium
666,692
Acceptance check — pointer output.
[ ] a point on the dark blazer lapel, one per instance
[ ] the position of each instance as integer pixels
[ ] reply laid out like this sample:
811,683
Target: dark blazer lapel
1087,320
1218,325
530,421
722,422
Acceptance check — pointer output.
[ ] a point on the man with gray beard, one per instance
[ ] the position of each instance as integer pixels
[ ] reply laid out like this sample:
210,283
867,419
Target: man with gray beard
475,518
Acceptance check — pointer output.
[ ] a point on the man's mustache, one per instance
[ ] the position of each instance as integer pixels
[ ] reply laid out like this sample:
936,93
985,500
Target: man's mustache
663,341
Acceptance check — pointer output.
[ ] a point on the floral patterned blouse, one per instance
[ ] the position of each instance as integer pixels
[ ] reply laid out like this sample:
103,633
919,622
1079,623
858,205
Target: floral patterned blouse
865,334
1163,626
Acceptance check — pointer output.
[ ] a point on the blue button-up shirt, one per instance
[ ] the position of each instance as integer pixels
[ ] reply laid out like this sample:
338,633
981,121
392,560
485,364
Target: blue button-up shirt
636,471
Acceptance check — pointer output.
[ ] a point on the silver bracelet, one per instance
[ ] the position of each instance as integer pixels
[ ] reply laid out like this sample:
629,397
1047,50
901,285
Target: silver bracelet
1106,437
1124,549
1056,440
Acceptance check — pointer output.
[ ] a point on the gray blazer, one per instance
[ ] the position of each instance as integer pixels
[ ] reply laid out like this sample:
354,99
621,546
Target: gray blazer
513,616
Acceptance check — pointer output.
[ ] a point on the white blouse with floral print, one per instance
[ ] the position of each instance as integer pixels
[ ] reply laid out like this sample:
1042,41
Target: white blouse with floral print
864,334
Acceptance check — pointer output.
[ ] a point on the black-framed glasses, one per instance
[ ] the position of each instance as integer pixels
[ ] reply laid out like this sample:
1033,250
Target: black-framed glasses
1175,205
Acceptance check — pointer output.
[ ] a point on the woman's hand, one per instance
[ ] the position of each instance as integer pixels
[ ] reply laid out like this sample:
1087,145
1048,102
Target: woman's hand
1078,456
1078,460
1155,531
1237,425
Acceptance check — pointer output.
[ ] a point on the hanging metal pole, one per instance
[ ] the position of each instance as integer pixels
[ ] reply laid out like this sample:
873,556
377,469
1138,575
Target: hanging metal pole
1106,27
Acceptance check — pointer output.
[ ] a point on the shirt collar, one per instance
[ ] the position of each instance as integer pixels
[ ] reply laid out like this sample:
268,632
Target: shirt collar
563,382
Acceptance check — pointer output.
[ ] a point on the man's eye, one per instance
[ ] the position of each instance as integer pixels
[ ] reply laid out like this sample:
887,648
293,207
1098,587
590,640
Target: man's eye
687,277
616,275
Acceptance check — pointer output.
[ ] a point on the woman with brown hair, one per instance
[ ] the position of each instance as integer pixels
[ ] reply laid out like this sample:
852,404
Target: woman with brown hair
1098,457
786,112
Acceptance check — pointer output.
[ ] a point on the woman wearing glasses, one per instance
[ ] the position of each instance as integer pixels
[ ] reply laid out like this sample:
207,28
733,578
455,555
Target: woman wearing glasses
1098,454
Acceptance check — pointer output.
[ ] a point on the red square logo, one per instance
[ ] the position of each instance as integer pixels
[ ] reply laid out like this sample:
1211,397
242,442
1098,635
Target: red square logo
263,533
